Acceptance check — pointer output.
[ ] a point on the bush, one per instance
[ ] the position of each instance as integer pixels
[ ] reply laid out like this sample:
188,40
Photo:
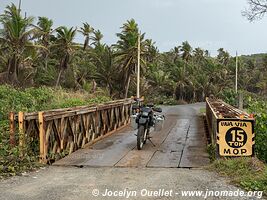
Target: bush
260,109
257,105
27,100
159,100
229,96
30,100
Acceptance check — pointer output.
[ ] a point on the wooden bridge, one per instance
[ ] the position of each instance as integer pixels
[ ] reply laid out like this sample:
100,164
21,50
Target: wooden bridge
81,133
62,131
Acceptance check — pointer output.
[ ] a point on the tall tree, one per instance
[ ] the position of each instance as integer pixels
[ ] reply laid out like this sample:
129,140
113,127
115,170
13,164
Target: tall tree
127,51
97,37
151,52
86,30
66,47
103,59
176,52
16,37
199,54
186,50
44,31
223,56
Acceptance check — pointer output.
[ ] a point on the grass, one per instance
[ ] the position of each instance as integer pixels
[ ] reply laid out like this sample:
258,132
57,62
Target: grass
249,173
202,110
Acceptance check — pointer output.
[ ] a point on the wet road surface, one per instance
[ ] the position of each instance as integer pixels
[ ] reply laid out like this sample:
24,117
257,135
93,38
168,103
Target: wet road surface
181,143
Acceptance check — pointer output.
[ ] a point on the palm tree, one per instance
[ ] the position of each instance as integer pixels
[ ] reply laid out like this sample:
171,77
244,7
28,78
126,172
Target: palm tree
203,85
223,56
181,83
176,52
44,31
15,36
199,54
160,82
186,50
98,36
103,59
151,51
206,53
65,45
127,51
86,30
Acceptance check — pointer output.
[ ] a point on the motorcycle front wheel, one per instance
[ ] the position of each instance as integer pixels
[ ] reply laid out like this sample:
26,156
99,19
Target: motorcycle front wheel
141,137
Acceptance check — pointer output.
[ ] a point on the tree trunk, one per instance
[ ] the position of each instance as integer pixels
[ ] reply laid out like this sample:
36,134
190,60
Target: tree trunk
174,93
46,61
59,76
203,95
86,43
110,89
12,76
181,96
194,95
4,77
94,86
77,85
127,87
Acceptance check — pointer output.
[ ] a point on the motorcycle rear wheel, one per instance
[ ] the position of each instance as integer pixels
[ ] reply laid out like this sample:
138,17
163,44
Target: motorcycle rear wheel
141,137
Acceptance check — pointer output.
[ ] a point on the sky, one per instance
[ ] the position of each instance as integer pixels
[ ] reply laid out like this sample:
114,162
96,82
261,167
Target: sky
209,24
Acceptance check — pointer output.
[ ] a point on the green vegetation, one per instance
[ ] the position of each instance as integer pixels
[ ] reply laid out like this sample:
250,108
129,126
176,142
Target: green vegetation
202,110
260,108
257,105
211,149
29,100
37,54
43,98
250,173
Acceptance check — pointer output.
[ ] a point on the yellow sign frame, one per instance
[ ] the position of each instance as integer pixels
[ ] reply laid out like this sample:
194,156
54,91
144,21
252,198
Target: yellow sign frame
235,137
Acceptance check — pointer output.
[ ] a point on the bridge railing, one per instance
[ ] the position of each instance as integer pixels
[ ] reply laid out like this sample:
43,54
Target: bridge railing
231,130
60,132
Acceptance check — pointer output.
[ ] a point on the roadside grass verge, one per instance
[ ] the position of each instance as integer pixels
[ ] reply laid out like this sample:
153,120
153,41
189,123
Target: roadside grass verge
202,110
249,173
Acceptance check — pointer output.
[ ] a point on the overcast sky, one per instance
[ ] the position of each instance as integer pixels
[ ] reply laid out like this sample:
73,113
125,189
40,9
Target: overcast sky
209,24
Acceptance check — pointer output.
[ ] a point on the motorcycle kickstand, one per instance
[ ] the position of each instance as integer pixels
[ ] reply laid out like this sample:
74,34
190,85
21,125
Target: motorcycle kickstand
149,138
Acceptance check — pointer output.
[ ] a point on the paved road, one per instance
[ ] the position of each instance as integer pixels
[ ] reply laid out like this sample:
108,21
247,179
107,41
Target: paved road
72,183
181,143
114,164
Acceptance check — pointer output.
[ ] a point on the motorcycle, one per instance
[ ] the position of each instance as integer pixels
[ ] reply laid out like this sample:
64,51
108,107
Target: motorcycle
145,117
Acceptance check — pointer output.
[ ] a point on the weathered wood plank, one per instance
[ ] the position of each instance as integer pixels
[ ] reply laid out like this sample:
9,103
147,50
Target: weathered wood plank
12,128
42,136
21,133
